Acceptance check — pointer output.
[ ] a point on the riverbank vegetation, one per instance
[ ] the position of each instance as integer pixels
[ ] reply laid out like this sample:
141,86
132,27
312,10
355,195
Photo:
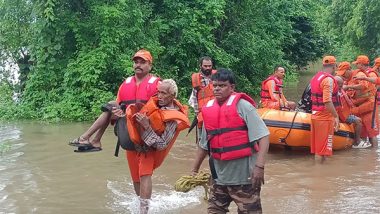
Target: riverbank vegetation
73,54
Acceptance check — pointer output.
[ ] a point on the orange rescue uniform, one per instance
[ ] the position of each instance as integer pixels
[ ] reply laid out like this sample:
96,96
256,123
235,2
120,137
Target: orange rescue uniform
277,97
346,104
145,163
322,123
368,130
364,99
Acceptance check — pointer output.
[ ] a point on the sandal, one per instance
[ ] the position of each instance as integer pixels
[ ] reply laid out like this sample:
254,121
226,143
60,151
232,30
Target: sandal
90,148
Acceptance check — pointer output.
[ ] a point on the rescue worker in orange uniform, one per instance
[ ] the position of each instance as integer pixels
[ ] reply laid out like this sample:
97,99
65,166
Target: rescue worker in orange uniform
324,118
202,89
346,104
373,78
363,95
376,67
137,88
271,91
153,130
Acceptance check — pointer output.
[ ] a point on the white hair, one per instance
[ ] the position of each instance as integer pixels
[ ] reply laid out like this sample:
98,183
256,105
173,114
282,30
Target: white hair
173,89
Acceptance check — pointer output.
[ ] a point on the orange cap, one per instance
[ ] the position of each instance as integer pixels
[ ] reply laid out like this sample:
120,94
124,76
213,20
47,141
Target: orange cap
361,59
342,68
329,60
377,63
144,54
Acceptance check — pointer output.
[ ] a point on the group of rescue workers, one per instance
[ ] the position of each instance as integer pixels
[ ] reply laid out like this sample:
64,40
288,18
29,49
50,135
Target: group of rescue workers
148,118
351,96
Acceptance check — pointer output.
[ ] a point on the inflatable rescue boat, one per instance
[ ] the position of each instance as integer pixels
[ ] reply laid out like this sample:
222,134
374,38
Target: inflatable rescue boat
292,128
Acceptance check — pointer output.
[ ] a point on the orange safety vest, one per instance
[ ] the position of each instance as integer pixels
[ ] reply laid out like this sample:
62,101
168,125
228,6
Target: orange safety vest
157,118
264,94
376,89
359,96
204,93
344,110
317,93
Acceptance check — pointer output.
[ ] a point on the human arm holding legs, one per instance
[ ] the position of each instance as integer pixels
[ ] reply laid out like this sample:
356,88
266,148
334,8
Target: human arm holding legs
118,112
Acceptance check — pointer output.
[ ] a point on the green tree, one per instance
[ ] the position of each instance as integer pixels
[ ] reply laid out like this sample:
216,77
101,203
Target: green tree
16,35
75,54
355,27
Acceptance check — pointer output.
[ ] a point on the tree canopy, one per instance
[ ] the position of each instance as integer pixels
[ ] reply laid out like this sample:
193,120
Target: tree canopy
73,54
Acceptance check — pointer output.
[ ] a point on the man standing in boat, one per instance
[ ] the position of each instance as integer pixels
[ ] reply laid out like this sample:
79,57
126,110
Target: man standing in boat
324,118
271,93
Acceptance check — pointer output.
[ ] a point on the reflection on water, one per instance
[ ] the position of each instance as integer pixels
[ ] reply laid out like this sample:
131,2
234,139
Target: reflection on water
42,174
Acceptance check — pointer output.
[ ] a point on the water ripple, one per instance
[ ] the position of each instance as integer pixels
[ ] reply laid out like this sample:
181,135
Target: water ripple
163,201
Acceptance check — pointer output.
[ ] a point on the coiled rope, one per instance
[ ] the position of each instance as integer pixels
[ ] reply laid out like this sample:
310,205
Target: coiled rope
188,182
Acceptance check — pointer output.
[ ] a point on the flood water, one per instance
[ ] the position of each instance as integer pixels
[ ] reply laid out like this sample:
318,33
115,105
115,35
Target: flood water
40,173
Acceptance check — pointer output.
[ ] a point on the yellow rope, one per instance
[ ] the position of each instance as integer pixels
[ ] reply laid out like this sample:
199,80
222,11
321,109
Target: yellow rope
188,182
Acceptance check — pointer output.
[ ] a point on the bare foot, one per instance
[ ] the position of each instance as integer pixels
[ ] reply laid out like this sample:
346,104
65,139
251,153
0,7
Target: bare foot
319,159
96,143
80,141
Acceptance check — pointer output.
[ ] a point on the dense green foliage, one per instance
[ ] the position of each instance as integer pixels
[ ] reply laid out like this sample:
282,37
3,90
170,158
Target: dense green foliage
73,54
354,27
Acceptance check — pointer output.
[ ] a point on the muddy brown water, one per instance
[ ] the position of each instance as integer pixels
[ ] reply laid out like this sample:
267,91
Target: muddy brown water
40,173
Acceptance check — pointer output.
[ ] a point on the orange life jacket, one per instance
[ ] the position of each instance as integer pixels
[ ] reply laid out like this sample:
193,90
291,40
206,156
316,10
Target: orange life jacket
317,93
157,118
359,96
376,89
346,104
204,93
264,94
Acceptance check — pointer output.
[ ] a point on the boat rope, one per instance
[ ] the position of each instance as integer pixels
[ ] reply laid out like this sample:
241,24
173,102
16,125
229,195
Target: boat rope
283,140
188,182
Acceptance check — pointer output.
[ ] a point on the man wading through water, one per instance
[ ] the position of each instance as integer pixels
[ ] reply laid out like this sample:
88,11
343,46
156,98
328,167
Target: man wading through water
153,130
202,91
135,89
324,118
237,140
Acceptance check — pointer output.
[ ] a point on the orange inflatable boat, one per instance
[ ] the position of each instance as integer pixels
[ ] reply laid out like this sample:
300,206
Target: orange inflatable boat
291,128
